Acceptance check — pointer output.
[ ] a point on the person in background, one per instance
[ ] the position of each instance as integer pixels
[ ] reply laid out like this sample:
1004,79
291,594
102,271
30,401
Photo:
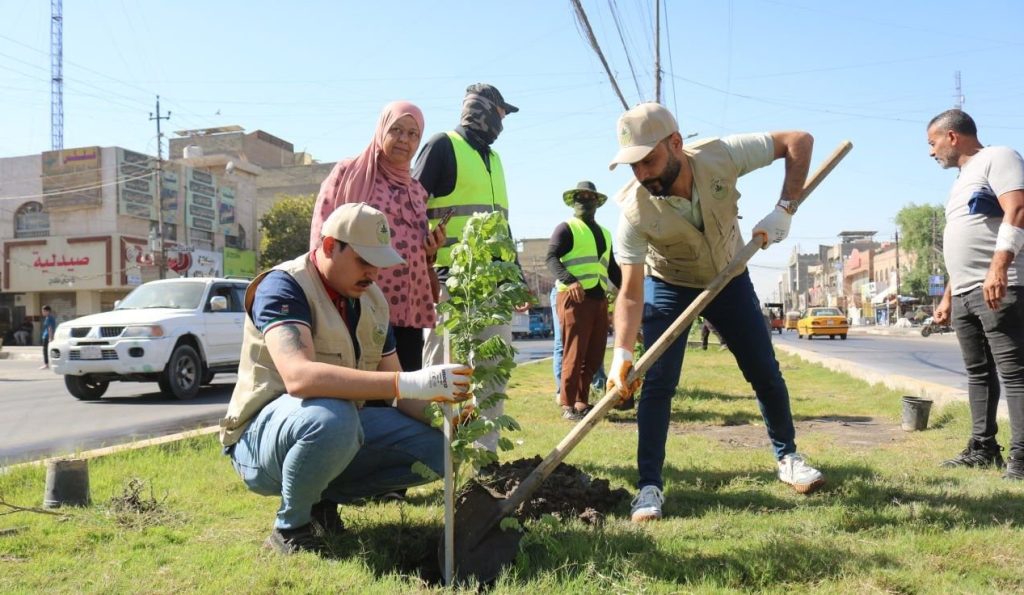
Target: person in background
678,229
706,328
556,345
23,335
317,344
463,175
581,259
984,299
380,177
49,328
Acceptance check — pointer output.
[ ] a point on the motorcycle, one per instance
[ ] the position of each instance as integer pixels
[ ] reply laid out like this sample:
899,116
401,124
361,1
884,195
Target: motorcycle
930,327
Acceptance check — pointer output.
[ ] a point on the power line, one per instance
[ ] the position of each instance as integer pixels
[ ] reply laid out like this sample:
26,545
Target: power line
79,189
581,18
618,27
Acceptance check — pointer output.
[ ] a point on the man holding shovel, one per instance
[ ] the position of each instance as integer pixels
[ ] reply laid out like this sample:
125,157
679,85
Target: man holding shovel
317,343
679,220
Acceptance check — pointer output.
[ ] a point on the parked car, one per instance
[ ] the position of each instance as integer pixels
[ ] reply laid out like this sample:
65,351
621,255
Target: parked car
175,332
822,321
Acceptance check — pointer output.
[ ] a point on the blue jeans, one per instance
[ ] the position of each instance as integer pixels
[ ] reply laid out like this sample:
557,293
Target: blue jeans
992,344
556,350
308,450
736,313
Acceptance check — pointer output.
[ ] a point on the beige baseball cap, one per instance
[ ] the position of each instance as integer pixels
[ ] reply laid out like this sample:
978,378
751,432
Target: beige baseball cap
640,130
365,229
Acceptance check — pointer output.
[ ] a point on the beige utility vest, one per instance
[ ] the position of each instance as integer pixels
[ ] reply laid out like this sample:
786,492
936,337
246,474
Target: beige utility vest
258,379
679,253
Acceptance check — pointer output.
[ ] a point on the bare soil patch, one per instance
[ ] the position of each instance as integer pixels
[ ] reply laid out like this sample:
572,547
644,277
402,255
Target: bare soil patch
854,432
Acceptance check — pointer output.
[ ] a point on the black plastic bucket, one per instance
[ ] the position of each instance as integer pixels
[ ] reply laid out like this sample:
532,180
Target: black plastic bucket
67,483
915,413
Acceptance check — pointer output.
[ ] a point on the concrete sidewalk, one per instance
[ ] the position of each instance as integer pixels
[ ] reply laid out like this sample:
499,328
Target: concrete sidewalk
30,352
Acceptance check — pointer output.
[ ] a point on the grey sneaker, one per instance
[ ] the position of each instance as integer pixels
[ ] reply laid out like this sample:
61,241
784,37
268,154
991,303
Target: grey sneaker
1014,468
977,454
293,541
795,471
647,504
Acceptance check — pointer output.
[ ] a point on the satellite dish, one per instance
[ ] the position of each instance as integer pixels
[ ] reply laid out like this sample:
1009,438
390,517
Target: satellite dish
229,168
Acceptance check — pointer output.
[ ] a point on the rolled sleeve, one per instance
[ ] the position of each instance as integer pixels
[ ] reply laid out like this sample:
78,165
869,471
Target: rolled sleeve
750,151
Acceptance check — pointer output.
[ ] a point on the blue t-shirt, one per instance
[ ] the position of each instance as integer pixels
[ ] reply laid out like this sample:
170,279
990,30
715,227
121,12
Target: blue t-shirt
49,326
279,300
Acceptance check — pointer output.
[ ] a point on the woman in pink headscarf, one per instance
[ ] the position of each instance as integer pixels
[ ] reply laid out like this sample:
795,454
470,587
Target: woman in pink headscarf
379,176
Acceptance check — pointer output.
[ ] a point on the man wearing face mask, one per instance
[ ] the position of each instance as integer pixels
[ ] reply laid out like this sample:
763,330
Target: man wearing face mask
463,176
581,259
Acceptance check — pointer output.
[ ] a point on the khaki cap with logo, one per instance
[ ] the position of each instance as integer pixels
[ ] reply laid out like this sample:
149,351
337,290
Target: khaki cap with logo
365,229
640,130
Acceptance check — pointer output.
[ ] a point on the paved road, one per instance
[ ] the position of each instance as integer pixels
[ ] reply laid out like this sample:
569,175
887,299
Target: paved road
934,359
39,418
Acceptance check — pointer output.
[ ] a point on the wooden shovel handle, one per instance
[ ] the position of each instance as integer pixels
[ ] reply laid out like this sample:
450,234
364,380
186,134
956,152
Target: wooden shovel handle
533,481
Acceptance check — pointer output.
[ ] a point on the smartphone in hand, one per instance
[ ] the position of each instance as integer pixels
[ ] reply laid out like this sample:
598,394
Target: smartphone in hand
444,218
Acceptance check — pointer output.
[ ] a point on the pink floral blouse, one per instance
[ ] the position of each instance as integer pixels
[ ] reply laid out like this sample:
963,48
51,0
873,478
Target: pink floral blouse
406,286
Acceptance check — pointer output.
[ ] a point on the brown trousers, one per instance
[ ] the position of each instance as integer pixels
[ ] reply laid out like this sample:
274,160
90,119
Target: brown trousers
584,337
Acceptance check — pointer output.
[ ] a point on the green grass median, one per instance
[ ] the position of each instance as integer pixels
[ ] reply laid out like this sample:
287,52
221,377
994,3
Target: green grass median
888,521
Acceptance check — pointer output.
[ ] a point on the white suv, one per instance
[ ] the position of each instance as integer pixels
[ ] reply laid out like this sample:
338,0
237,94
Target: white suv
177,332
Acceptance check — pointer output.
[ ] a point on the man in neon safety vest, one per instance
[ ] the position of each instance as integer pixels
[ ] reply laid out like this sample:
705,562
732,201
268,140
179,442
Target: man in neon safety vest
463,176
581,259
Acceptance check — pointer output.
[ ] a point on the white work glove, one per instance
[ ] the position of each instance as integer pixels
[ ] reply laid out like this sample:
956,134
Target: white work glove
622,363
446,383
775,227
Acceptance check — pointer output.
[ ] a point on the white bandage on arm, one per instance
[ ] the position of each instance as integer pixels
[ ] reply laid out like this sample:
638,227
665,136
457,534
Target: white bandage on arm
1010,238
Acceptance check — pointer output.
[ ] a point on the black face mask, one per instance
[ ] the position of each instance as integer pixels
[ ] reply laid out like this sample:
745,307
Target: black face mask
584,210
480,118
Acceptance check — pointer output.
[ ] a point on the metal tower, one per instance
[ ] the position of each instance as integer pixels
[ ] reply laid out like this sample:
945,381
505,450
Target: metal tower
958,99
56,75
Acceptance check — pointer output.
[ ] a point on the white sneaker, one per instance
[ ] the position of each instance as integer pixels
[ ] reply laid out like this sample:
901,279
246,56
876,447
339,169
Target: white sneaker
558,398
647,504
795,471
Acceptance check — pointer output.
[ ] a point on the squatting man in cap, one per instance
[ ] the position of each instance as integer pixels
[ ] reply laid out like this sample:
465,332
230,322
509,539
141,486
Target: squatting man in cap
679,220
317,343
463,176
581,259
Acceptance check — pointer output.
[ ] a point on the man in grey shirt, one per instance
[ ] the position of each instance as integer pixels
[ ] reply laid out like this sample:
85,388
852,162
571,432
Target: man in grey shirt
985,295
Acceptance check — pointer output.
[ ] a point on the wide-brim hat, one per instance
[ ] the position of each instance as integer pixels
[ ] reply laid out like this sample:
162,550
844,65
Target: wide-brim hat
585,186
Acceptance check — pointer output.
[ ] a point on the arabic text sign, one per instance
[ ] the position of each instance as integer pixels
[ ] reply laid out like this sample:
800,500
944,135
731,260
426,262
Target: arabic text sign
58,266
71,178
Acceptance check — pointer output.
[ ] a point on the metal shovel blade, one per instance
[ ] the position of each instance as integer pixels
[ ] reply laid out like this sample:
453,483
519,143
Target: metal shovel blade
482,548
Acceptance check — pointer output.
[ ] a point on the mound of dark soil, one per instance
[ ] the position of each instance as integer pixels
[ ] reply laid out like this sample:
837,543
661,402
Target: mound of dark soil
568,492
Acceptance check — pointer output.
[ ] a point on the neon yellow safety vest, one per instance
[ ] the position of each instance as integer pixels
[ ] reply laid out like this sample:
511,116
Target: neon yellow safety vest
583,261
476,191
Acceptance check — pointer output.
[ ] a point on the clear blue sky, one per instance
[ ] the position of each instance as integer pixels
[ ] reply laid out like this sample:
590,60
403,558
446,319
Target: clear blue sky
317,74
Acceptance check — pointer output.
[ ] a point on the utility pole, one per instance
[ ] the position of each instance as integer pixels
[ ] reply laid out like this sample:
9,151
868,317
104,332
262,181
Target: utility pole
581,18
161,261
897,274
657,50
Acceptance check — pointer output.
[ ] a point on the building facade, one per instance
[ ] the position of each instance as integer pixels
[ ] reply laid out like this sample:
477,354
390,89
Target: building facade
80,228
